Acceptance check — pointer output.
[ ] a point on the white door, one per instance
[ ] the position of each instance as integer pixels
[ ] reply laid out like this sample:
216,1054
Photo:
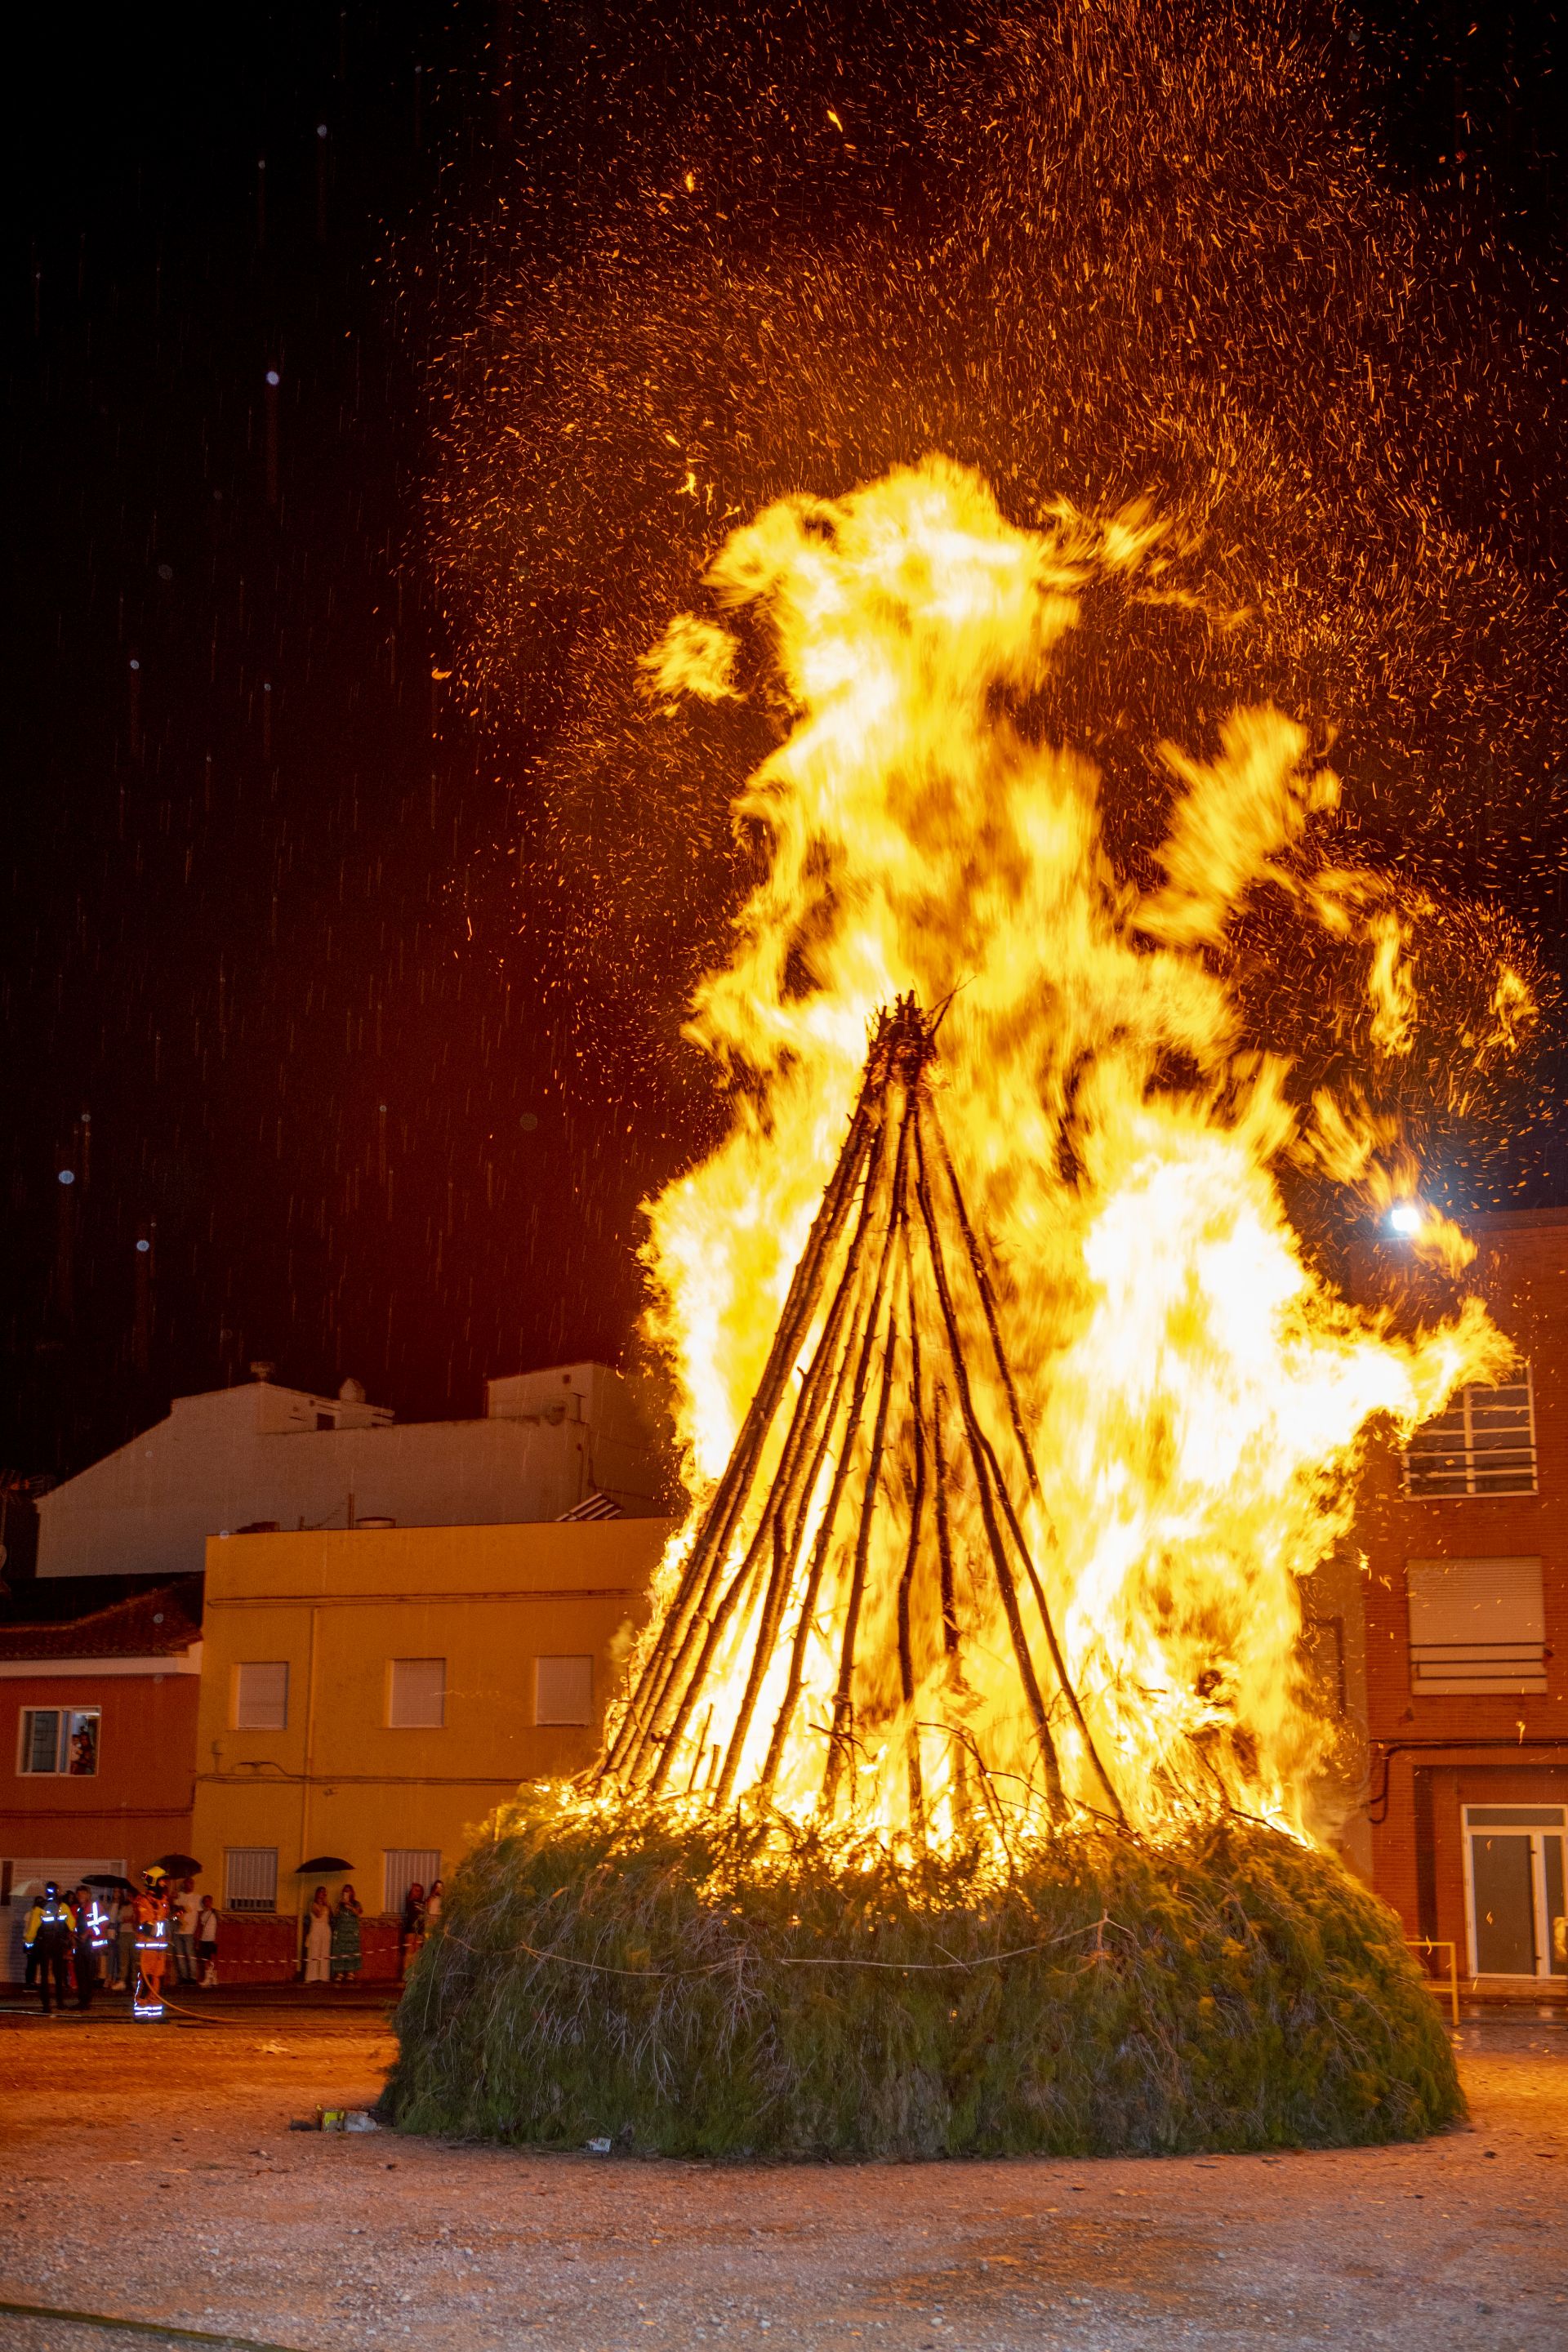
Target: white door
1514,1890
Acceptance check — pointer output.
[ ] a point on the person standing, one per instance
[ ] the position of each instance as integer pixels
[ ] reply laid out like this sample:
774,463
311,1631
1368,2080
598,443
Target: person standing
50,1930
413,1922
318,1939
347,1943
151,1931
206,1945
86,1944
125,1940
433,1903
183,1924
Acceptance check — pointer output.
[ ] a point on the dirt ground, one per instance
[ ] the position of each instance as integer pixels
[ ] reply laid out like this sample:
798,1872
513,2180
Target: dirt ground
148,2173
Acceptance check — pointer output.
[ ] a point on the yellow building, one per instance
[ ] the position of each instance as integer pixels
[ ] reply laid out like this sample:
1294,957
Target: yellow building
372,1693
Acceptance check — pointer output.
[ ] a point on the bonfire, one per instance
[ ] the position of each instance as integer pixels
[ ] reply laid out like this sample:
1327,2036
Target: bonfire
967,1789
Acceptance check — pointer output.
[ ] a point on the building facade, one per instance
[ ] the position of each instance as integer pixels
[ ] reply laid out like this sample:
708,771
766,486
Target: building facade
1465,1610
371,1696
100,1727
264,1456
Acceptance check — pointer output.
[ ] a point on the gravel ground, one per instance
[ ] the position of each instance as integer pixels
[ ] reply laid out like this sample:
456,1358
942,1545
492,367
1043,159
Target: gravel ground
148,2173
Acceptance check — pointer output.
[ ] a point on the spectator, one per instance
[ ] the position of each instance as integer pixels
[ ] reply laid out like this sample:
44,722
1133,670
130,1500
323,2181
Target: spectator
182,1913
346,1940
207,1944
433,1907
318,1939
84,1945
413,1922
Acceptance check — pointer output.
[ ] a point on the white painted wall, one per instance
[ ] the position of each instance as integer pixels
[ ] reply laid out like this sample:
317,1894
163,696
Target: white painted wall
232,1457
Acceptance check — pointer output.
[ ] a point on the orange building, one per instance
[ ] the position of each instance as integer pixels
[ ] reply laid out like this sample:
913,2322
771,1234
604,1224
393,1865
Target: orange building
1466,1624
99,1764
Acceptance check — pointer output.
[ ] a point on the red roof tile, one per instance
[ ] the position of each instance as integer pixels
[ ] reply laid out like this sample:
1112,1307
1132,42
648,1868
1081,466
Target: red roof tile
152,1625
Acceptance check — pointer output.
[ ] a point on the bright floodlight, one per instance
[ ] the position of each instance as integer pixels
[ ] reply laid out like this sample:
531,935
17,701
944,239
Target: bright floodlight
1405,1217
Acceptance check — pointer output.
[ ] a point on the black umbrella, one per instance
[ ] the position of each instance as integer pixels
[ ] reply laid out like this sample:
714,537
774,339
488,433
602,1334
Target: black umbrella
178,1865
107,1878
323,1861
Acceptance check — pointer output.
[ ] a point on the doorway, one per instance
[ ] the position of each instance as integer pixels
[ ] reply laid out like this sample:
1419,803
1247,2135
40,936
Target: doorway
1514,1880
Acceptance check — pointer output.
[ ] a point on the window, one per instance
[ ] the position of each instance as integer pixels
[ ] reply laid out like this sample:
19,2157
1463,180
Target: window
261,1695
1476,1625
406,1867
564,1690
1484,1445
417,1693
60,1739
250,1878
1514,1890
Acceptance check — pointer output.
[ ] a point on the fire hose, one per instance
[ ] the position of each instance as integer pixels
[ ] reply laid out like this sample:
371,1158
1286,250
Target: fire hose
163,2329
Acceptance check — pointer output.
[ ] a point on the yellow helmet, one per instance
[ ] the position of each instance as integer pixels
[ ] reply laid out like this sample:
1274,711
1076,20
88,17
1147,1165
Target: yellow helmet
154,1878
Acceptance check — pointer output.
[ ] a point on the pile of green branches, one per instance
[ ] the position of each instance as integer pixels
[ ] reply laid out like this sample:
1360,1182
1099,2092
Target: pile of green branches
722,1990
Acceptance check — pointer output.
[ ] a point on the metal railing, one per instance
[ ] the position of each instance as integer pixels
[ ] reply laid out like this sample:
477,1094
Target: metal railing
1446,1988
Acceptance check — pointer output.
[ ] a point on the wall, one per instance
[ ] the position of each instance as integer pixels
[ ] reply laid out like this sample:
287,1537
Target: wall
338,1607
236,1455
137,1805
1443,1750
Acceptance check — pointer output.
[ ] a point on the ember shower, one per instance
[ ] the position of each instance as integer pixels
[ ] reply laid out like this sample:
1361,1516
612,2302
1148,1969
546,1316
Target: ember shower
1098,253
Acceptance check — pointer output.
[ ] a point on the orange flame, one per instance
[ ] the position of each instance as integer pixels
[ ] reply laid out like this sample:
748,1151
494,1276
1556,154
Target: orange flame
1197,1394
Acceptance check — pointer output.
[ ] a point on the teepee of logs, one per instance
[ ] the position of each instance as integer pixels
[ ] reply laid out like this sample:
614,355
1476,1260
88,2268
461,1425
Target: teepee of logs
888,1354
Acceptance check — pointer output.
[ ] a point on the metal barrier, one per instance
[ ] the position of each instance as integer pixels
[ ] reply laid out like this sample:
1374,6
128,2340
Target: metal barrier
1442,1986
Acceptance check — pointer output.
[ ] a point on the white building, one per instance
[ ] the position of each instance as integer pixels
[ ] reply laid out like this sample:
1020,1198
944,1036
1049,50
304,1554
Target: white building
262,1455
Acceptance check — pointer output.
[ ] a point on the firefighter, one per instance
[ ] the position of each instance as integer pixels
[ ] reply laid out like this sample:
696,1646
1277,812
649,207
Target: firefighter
151,1943
51,1931
91,1936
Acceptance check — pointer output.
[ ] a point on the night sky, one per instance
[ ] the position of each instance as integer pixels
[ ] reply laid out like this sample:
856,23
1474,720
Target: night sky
352,904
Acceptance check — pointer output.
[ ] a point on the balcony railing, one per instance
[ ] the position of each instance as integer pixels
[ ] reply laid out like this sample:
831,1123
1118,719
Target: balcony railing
1484,1445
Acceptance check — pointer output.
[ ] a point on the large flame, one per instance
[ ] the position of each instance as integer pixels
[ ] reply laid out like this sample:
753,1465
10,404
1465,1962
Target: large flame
1195,1394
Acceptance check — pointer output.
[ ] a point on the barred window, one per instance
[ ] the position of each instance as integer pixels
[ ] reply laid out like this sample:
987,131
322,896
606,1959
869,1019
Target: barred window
1483,1444
250,1878
1476,1626
406,1867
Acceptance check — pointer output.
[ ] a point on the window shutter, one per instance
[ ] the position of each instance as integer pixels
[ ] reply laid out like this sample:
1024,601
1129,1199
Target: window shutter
261,1695
1476,1625
250,1878
416,1695
406,1867
564,1690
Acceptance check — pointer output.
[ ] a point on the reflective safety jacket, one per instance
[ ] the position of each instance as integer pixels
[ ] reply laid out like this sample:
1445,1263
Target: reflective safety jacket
94,1923
51,1917
151,1923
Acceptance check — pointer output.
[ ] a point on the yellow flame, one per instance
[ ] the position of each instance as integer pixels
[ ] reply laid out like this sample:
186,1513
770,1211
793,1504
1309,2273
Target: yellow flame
1195,1394
1390,984
1513,1007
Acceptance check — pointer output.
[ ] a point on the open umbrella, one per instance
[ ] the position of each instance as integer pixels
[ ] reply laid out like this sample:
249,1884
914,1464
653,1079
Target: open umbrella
178,1865
327,1863
107,1878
